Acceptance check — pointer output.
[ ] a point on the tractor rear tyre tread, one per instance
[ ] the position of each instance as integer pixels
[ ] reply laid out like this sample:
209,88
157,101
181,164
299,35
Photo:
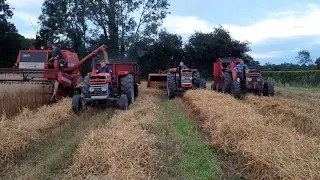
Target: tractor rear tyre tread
236,89
196,79
227,82
85,87
171,86
123,102
77,104
127,87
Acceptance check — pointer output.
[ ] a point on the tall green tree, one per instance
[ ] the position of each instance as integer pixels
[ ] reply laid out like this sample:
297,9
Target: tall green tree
317,62
304,57
203,49
10,41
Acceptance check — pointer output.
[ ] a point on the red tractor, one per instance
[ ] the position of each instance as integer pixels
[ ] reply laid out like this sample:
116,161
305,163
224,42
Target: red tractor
120,85
179,81
227,80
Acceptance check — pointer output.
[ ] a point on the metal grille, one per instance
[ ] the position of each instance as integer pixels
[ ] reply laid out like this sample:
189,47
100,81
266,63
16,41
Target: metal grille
98,92
186,78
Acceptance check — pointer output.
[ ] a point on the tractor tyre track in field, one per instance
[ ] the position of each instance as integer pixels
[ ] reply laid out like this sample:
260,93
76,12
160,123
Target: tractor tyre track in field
47,158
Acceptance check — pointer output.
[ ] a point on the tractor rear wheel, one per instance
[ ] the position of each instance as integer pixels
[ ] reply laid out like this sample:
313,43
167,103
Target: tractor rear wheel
77,104
236,89
268,89
127,87
196,81
123,102
85,87
171,85
227,82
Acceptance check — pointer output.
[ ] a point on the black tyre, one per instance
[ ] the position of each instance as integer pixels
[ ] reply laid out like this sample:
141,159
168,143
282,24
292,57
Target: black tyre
268,89
85,87
136,90
227,82
213,86
123,102
171,85
203,84
127,87
196,80
77,103
236,89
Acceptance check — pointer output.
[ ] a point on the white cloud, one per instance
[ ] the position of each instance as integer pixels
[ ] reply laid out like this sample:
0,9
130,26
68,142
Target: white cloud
267,55
287,26
29,19
25,3
295,50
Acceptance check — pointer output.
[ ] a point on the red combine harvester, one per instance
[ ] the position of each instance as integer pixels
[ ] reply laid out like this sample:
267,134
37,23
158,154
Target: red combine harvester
227,80
58,80
120,85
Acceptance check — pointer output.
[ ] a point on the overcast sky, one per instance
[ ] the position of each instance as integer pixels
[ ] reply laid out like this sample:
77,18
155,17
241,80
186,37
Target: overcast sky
277,29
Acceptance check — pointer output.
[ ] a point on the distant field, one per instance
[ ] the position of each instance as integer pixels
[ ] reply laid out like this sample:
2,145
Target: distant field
294,78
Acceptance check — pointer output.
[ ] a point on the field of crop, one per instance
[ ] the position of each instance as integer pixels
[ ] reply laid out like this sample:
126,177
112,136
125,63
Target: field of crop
301,78
202,135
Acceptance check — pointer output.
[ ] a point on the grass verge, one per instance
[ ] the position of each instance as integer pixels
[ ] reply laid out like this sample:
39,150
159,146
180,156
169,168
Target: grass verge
184,153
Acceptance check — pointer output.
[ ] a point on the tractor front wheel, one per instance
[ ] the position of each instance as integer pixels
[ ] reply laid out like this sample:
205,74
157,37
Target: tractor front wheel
203,84
236,89
77,103
171,86
268,89
127,87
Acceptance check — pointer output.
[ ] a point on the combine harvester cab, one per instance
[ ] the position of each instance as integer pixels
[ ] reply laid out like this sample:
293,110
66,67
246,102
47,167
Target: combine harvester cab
227,80
57,80
120,85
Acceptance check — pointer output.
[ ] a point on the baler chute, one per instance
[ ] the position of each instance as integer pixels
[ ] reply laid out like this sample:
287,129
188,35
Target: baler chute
157,80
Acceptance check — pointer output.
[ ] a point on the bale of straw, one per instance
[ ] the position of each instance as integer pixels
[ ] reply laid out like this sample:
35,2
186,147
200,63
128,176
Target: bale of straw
262,150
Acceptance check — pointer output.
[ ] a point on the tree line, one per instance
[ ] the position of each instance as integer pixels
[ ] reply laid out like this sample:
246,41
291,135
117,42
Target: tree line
83,25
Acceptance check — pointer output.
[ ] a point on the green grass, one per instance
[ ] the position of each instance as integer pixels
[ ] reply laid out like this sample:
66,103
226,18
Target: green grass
184,153
49,158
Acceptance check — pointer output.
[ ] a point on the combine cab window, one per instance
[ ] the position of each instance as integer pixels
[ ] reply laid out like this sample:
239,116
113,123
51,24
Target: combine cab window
33,57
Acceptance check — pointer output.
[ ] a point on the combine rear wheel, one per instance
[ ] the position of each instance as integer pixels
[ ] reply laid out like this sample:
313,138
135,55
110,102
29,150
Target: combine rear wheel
236,89
127,87
171,85
77,103
268,89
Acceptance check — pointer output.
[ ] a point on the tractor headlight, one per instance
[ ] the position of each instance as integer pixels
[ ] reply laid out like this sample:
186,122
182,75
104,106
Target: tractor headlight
91,89
104,88
249,79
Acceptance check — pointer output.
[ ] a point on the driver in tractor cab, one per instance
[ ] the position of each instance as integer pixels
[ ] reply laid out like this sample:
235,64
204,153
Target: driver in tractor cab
104,68
239,67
